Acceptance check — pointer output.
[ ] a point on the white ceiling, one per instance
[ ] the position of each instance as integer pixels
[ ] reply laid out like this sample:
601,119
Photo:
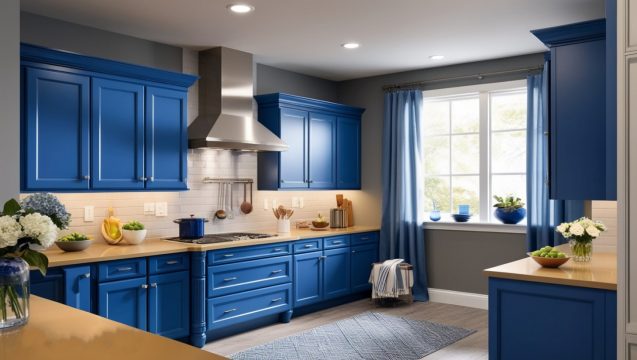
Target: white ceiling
305,35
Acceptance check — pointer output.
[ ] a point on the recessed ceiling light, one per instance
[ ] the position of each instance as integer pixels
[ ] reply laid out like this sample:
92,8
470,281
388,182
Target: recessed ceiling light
240,8
436,57
351,45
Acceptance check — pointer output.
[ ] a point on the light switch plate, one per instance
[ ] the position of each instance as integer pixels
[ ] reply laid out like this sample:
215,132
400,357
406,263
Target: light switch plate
266,204
149,208
275,204
295,202
161,209
89,213
301,203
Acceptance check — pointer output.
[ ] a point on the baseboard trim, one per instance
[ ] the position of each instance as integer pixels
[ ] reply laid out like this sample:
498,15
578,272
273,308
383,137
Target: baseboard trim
478,301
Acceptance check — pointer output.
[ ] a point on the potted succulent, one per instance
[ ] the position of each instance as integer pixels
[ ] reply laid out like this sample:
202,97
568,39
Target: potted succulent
580,235
74,242
134,232
509,209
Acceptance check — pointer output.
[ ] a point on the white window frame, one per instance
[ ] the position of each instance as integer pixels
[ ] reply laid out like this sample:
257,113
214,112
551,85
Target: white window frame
486,222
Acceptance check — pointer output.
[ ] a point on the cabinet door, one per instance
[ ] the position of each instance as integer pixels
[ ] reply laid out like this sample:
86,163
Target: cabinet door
348,151
117,135
308,278
124,301
55,131
77,287
166,139
169,304
293,162
336,273
577,122
50,286
363,257
322,151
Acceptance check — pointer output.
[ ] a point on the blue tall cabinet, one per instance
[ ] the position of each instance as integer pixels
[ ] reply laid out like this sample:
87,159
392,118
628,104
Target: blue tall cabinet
91,124
582,103
324,142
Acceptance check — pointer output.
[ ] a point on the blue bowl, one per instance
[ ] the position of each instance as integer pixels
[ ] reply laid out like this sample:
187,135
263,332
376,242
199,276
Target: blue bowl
461,217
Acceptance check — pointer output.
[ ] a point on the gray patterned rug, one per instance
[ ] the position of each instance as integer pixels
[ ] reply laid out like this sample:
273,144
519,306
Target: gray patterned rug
368,336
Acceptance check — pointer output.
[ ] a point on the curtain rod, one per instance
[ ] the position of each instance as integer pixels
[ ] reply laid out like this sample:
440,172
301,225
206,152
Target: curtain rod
479,76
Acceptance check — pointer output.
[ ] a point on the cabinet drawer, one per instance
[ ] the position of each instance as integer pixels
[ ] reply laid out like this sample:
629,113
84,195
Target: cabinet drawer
364,238
308,245
247,253
248,275
336,242
249,305
168,263
122,269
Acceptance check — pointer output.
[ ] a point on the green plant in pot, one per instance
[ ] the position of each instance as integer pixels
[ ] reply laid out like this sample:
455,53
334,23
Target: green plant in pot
509,209
134,232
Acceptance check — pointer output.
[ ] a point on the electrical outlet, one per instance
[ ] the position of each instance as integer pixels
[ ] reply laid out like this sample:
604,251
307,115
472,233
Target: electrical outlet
266,205
295,202
275,204
161,209
301,203
149,208
89,213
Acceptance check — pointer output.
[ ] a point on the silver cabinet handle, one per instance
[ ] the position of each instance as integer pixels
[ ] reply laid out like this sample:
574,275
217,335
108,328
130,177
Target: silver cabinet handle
143,178
364,238
153,285
87,276
276,271
228,255
310,181
307,246
230,278
323,257
282,181
229,311
86,177
151,179
353,251
172,262
144,286
124,268
278,249
337,242
277,299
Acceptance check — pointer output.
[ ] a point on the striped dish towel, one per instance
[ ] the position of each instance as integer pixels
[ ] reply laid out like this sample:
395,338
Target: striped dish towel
389,280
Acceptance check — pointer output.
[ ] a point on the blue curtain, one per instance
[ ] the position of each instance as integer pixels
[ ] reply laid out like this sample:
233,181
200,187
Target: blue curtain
543,214
402,234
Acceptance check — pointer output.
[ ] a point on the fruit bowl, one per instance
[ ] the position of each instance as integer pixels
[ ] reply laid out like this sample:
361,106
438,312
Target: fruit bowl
78,245
549,262
320,224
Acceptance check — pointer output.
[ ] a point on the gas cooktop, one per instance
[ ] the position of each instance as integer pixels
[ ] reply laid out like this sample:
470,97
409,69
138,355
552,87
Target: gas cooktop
220,238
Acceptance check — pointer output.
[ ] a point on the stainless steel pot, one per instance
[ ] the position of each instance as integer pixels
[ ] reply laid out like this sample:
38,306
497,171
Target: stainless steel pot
338,218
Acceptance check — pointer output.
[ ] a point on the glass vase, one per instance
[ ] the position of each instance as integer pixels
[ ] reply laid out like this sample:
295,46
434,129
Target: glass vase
14,292
434,215
581,250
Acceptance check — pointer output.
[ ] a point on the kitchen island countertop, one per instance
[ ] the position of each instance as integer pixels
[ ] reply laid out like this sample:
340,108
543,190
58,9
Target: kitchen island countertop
101,251
57,331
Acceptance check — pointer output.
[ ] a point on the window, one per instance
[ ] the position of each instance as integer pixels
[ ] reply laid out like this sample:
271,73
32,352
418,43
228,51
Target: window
474,146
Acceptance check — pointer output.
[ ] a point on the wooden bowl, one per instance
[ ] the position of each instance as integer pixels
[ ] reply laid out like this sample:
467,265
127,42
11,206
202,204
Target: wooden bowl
320,225
549,262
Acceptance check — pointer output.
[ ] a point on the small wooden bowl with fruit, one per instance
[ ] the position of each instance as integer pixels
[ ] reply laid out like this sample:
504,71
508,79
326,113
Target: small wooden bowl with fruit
320,223
549,257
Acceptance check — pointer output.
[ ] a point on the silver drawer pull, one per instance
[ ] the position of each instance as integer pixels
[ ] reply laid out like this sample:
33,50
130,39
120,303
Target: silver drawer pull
153,285
144,286
276,271
230,278
87,276
229,311
278,249
172,262
337,242
277,299
307,246
323,257
365,238
228,255
124,268
353,251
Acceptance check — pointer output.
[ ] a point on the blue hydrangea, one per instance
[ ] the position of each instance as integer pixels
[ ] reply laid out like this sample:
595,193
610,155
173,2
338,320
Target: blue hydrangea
47,204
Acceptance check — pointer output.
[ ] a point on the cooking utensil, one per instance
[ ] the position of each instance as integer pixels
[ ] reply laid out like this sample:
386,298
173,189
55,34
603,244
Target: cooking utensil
339,200
192,227
231,206
338,218
288,213
221,213
246,207
276,213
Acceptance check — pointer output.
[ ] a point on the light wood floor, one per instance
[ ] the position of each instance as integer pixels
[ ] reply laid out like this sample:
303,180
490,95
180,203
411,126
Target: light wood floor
469,348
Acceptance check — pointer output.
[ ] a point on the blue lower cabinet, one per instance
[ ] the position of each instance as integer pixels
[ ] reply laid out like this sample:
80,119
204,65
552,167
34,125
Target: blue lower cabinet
336,273
529,320
70,285
249,305
50,286
308,278
169,304
362,258
248,275
124,301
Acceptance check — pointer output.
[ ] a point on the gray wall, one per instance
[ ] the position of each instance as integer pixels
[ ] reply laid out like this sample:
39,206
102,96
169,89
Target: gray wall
455,259
271,80
9,99
57,34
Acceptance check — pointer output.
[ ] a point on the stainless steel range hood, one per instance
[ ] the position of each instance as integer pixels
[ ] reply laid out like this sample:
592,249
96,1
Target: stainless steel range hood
226,119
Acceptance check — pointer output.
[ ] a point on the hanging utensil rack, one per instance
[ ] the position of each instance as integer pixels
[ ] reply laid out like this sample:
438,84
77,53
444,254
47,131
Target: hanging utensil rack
210,180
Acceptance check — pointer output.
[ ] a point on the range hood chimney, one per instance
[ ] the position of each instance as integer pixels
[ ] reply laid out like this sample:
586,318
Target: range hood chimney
226,119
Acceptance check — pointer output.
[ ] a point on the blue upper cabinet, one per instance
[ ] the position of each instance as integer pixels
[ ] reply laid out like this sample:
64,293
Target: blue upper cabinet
117,135
55,130
581,129
324,144
166,139
91,124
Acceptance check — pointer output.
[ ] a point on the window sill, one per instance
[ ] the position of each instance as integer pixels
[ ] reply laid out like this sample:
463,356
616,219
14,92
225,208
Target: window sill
476,227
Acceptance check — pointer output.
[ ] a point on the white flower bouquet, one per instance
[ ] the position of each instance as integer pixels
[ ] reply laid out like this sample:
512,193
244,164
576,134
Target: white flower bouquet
22,227
581,234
